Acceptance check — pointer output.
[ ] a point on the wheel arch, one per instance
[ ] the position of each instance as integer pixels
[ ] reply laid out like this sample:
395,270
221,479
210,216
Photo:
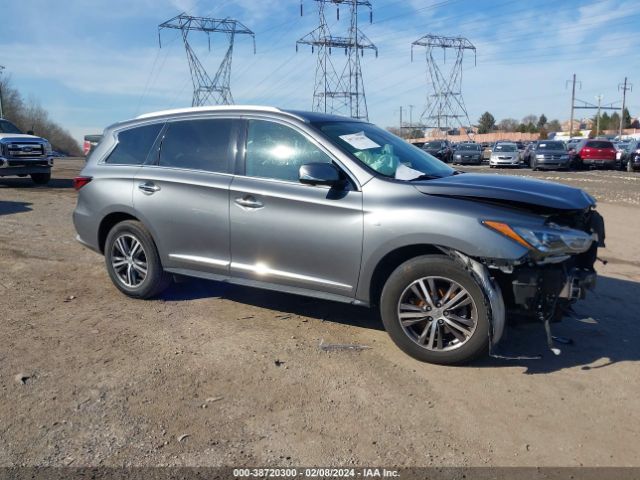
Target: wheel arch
110,221
390,261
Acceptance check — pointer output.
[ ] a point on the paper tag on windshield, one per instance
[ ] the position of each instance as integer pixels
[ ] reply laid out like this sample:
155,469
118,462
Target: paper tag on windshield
360,141
405,173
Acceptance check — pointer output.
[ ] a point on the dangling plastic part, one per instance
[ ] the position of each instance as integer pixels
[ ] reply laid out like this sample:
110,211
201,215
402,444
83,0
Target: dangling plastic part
300,7
338,13
370,16
547,329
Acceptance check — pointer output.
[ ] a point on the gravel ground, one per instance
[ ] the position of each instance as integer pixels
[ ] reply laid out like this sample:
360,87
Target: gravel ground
213,374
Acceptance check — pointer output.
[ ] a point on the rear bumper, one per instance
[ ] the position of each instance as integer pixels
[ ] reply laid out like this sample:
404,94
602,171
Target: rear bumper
600,162
12,171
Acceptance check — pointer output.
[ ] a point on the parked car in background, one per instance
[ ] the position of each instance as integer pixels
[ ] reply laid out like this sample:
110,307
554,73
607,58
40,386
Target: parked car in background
549,154
24,154
441,149
504,155
527,154
595,153
468,153
486,151
621,150
339,209
90,143
631,154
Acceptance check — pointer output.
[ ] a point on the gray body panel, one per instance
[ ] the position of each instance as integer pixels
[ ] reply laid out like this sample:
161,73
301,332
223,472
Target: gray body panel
304,239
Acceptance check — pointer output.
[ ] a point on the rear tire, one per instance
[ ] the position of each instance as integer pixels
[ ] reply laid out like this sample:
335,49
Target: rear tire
41,178
133,262
441,336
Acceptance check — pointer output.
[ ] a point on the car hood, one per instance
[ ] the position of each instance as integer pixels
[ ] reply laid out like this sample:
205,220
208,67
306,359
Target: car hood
508,190
19,136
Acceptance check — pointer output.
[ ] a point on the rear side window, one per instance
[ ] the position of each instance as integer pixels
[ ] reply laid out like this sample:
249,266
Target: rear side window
134,145
198,145
599,144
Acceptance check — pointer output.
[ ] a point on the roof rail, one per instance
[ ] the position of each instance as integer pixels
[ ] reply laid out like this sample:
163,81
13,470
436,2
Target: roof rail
212,108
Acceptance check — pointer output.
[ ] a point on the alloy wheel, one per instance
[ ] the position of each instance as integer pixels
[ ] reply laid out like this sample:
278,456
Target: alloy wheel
437,313
129,260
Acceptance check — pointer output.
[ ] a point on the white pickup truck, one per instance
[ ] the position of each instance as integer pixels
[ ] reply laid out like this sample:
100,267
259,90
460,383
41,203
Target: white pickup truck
22,154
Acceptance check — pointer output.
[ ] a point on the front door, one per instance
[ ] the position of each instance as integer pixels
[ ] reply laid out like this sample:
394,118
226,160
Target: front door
288,233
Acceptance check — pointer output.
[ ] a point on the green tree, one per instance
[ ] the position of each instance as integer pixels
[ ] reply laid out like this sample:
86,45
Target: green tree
522,128
486,123
626,116
542,121
614,121
531,128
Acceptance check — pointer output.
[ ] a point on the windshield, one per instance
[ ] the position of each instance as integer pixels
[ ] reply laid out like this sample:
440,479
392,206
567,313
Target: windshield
551,146
383,152
504,148
599,144
433,145
8,127
470,147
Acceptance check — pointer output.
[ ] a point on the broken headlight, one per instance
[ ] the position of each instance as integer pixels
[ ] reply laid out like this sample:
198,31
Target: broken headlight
547,239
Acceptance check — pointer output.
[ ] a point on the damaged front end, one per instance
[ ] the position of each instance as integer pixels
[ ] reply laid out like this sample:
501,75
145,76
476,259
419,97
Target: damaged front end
556,272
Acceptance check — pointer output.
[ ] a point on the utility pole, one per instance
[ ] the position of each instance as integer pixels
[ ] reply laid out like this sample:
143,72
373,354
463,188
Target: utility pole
401,122
624,87
411,116
339,89
573,101
599,98
1,113
205,89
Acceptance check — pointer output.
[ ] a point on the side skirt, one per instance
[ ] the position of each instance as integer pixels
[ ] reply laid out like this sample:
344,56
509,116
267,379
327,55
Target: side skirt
267,286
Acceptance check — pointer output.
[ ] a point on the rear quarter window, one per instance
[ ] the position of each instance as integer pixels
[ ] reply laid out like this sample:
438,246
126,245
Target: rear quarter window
134,144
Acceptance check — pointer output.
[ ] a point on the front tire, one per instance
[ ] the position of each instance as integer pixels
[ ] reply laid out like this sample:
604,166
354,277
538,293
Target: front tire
133,261
41,178
435,311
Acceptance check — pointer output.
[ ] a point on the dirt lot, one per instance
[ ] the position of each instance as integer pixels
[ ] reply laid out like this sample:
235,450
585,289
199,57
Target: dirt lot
218,375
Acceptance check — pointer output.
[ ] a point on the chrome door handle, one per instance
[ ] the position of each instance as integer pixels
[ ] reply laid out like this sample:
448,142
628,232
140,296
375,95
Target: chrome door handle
249,201
148,187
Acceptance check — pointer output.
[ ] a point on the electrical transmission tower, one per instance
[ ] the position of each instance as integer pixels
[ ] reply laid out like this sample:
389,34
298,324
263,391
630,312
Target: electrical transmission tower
205,90
445,108
339,90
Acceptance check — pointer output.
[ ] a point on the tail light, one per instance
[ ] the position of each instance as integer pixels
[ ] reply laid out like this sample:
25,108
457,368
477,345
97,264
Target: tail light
86,147
80,182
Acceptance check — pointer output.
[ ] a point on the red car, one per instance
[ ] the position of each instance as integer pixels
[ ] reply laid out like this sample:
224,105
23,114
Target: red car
595,153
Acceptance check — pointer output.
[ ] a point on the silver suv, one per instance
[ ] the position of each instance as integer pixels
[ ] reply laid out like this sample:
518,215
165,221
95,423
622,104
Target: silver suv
339,209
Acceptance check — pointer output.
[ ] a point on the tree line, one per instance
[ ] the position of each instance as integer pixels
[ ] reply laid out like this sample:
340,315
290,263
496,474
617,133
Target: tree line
29,115
534,124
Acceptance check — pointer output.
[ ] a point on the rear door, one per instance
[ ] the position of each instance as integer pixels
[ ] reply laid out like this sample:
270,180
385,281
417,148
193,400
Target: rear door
183,193
287,233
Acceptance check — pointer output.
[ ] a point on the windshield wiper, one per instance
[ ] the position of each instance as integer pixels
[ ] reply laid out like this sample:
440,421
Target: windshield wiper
425,176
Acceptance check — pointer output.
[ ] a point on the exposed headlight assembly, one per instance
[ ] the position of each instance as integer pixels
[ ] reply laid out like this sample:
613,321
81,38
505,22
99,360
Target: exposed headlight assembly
546,240
47,148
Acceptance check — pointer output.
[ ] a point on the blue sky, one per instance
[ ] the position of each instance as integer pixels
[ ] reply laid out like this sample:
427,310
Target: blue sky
92,63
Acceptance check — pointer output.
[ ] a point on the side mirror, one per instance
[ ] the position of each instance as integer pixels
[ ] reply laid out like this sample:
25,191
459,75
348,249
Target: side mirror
318,173
30,132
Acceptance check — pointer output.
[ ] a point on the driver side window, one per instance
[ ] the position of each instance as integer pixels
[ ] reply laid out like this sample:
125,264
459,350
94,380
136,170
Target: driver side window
277,151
